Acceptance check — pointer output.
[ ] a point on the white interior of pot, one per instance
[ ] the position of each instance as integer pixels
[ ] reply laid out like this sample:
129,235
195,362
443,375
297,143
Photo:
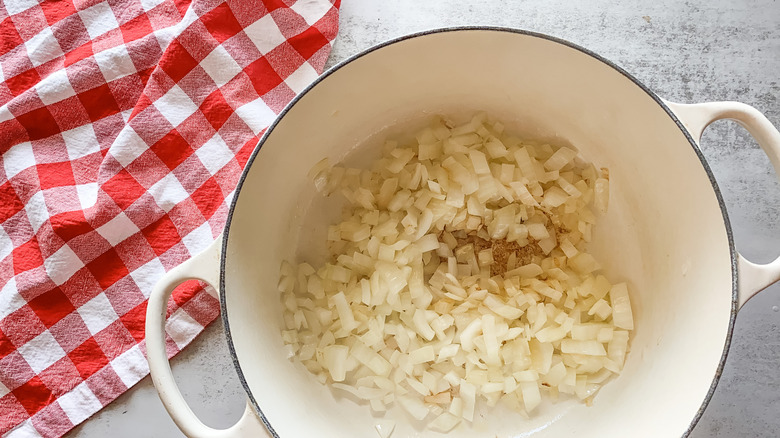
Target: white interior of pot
663,234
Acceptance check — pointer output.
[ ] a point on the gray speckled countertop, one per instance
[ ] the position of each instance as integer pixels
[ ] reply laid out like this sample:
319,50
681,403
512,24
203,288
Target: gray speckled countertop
690,51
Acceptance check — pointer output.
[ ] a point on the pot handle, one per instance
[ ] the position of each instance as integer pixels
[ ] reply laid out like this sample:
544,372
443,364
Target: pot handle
204,267
753,277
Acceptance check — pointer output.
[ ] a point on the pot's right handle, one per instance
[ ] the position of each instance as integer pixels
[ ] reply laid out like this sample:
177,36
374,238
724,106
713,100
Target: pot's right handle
753,277
204,267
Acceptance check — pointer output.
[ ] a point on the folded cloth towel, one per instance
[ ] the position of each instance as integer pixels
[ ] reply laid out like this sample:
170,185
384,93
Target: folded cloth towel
124,127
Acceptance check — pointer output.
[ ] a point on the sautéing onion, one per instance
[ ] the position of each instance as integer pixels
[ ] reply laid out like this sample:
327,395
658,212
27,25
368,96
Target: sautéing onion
460,275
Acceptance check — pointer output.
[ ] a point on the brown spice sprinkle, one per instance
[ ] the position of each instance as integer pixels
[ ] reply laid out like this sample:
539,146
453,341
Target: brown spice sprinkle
502,249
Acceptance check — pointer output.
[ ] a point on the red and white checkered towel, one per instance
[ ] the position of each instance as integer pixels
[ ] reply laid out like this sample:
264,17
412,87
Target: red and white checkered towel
124,126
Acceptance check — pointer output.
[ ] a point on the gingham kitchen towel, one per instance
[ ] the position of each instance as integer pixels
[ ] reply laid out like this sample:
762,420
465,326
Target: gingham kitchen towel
124,126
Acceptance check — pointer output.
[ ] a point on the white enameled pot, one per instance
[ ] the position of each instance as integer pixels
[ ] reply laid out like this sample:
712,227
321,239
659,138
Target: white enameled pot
666,233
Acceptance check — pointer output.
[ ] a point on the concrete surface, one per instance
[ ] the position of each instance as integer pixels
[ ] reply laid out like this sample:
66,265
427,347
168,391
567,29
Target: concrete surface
689,51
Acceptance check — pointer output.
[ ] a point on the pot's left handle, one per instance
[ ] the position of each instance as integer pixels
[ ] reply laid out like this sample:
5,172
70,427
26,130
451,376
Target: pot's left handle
753,277
204,267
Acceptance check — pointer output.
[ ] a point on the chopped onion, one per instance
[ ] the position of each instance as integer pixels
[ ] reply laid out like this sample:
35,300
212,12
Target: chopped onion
560,158
531,395
468,394
414,406
384,428
621,305
591,348
601,309
422,354
444,423
459,276
479,162
601,194
336,361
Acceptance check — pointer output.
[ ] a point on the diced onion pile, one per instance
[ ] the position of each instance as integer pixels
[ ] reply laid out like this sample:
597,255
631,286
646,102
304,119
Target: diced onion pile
460,276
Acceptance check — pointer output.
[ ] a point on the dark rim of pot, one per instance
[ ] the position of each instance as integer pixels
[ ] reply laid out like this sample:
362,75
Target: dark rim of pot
651,94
